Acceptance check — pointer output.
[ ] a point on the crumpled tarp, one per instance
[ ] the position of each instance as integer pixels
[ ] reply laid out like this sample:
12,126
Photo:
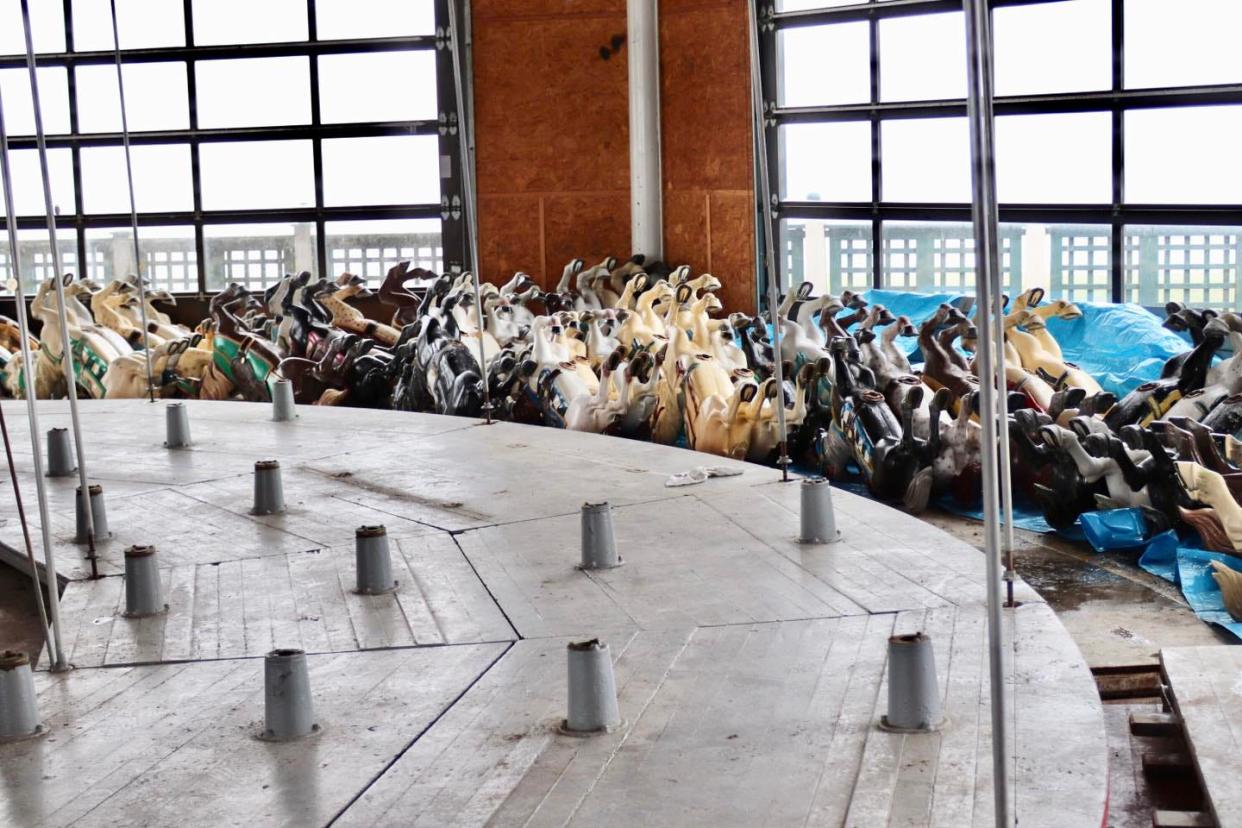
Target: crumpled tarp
1121,346
1190,568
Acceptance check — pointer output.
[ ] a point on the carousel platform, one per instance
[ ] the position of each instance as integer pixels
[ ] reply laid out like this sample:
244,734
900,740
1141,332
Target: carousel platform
1205,692
750,668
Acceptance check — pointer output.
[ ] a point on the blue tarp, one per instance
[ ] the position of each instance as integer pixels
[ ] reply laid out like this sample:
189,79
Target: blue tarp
1190,568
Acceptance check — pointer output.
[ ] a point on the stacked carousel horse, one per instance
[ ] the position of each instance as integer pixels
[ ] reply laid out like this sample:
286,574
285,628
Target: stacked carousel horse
642,350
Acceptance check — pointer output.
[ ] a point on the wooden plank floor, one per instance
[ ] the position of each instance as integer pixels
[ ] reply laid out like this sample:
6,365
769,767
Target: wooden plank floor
751,668
1206,691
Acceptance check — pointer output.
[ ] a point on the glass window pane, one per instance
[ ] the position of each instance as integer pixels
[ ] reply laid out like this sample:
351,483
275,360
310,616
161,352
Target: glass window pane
923,58
47,27
155,97
257,255
257,175
1182,43
253,92
169,260
1079,33
337,19
370,248
1185,156
342,77
162,181
926,160
1054,158
35,251
802,5
53,94
832,255
1069,261
386,170
1195,265
244,21
823,65
826,162
141,24
28,182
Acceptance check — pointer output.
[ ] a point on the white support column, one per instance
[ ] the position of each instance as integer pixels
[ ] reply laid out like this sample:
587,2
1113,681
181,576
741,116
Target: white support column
646,196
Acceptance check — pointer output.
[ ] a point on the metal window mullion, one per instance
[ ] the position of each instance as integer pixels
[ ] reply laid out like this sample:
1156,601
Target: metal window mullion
321,236
877,158
452,221
75,153
196,178
771,84
1117,241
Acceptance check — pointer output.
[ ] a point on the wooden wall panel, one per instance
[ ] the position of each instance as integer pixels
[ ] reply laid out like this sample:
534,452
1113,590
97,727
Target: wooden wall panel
553,140
706,134
552,130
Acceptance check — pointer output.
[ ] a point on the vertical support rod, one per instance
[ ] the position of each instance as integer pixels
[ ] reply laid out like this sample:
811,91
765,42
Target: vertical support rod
465,134
769,248
133,205
646,174
30,377
991,373
58,282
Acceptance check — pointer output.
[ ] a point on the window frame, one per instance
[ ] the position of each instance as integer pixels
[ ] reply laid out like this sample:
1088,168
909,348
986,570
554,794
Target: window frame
445,127
1117,214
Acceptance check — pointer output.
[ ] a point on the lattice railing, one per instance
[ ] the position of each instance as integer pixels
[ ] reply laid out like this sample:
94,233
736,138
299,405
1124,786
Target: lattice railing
1195,265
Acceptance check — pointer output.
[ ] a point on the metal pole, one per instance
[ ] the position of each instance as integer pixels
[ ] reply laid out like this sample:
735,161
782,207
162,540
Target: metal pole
646,198
58,282
133,208
465,134
992,408
30,377
765,198
1006,465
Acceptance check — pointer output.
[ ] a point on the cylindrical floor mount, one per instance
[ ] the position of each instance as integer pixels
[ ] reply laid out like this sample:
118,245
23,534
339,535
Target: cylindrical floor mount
599,541
60,454
288,712
19,714
98,512
913,692
592,690
819,523
283,408
142,583
269,494
373,561
176,426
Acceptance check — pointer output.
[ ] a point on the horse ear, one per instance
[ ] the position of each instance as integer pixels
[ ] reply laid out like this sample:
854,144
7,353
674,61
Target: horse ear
804,290
684,292
1037,296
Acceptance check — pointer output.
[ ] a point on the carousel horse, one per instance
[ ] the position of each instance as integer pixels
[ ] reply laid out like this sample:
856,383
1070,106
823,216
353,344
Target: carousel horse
1152,400
243,362
1226,416
158,322
1229,580
11,350
942,369
94,347
1186,320
177,370
348,318
1219,522
394,293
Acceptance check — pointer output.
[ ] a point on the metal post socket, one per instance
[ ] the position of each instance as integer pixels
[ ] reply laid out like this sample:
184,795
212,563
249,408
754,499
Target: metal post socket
283,408
99,515
592,690
819,523
60,453
269,494
599,541
176,426
373,561
19,713
288,712
913,692
142,583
